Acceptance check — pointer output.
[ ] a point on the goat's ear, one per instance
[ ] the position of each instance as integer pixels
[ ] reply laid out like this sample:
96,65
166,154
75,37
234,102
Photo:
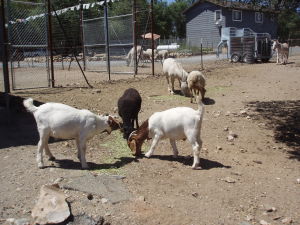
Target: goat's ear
114,124
132,146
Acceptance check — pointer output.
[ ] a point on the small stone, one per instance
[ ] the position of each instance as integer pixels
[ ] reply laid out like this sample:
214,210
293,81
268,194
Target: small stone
298,181
243,112
230,138
226,128
66,144
249,217
219,147
287,220
248,117
90,196
229,180
58,180
233,134
104,200
243,150
269,208
141,198
263,222
195,194
227,113
257,161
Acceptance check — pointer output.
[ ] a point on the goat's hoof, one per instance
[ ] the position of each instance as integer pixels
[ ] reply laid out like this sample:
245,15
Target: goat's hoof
197,168
41,166
147,155
52,158
85,167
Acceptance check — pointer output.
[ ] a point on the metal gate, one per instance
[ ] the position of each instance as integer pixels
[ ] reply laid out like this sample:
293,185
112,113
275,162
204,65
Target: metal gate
27,34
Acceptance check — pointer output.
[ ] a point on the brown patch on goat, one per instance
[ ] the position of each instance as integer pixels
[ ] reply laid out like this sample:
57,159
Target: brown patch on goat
136,140
113,123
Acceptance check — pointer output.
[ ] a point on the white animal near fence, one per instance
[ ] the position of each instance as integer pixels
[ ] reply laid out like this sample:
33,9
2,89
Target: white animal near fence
174,70
282,52
130,56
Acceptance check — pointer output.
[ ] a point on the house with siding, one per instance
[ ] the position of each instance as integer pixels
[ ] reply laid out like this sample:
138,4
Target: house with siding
206,18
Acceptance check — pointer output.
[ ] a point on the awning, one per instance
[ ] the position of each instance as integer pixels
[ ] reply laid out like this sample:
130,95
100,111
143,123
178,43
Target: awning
149,36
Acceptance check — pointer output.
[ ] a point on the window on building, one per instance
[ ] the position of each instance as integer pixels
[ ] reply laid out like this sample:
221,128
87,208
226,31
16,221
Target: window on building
236,15
218,15
258,17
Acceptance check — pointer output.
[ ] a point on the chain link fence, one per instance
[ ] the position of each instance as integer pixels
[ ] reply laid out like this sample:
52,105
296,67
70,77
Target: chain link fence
27,33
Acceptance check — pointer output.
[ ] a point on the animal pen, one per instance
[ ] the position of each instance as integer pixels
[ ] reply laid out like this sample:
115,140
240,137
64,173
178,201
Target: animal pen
52,44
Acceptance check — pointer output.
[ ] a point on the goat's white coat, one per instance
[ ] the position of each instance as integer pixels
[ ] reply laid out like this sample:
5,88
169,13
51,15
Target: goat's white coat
176,124
196,82
282,51
65,122
174,70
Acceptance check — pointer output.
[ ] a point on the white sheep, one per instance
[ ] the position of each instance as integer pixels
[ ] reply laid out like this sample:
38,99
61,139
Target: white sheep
147,55
196,82
174,70
65,122
130,56
175,124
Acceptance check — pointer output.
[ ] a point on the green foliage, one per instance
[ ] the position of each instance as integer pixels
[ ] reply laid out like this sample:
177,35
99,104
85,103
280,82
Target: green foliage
289,24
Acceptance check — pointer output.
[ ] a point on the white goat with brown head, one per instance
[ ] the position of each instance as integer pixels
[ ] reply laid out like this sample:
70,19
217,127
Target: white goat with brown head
175,124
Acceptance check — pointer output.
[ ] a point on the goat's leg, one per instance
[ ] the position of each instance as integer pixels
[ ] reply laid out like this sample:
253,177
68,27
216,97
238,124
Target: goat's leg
168,82
82,145
172,84
78,149
48,152
41,146
196,152
152,148
192,96
174,148
137,121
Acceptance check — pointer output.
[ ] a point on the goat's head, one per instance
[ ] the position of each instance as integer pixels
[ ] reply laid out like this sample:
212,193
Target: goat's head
275,45
137,138
185,89
113,124
134,144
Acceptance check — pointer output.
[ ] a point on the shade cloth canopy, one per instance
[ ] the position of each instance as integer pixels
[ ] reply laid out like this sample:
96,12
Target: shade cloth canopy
149,36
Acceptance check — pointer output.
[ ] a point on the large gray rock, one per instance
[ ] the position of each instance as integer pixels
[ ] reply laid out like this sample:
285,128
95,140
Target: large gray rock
51,207
106,186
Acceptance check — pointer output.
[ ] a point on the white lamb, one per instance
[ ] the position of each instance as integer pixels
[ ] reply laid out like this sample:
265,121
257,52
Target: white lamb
130,56
174,70
196,82
65,122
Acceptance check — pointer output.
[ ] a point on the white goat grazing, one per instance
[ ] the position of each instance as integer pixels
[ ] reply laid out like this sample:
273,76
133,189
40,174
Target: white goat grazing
196,82
147,55
130,56
176,124
174,70
282,51
65,122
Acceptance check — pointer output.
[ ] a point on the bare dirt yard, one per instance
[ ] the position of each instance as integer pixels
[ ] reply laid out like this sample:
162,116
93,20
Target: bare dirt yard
252,179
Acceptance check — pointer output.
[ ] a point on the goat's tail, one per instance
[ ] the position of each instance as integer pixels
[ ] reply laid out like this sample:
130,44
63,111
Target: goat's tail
28,103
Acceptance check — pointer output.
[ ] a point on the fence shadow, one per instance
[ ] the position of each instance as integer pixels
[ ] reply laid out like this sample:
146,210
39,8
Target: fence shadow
283,118
17,127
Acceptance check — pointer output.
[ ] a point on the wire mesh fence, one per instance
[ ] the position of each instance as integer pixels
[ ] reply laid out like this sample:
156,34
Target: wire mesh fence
27,33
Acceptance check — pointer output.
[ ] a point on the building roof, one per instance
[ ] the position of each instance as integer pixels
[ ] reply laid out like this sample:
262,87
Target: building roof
232,5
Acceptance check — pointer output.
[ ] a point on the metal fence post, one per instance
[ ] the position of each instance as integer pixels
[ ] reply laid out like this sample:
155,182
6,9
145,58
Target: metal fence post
107,39
82,35
134,38
4,55
50,43
152,38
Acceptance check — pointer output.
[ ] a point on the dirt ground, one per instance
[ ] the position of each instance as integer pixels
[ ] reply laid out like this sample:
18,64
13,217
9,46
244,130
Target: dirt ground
249,180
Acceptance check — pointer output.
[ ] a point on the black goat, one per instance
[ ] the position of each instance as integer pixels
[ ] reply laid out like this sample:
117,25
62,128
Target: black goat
129,105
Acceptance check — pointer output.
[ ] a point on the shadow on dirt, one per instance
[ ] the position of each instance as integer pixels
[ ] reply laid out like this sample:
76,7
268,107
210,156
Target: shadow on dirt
76,165
206,164
283,118
17,127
